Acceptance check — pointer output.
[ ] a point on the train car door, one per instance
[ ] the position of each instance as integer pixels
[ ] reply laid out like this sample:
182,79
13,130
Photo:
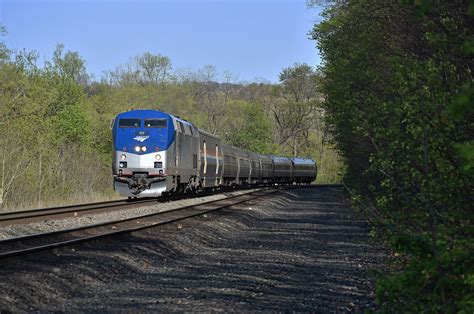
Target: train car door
204,165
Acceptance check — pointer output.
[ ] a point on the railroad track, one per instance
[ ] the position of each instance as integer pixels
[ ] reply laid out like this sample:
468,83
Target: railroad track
25,216
10,218
24,245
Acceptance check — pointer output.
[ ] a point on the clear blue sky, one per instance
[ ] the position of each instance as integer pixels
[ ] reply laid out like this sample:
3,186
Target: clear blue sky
252,39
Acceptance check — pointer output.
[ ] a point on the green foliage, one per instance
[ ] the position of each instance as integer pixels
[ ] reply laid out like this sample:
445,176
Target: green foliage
252,129
71,126
155,68
144,69
4,51
69,66
46,140
398,87
295,110
432,282
466,153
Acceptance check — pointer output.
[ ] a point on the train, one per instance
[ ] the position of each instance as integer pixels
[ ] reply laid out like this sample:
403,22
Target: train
156,153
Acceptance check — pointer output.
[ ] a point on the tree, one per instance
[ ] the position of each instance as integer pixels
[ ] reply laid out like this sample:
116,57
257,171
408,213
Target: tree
294,109
143,69
155,69
393,74
69,65
13,163
247,127
4,51
211,97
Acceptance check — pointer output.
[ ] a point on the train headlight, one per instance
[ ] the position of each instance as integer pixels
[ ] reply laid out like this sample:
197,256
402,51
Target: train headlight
158,157
143,148
123,157
137,149
123,164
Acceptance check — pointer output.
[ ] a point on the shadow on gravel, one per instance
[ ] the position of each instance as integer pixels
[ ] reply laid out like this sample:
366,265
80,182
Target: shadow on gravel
303,250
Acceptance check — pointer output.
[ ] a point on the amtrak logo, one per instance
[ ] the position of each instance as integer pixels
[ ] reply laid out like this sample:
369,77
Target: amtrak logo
141,138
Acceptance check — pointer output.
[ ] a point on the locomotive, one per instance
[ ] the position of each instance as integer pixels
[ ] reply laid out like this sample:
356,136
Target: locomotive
156,153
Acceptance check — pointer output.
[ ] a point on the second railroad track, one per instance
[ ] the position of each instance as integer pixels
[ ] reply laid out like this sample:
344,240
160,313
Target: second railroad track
29,244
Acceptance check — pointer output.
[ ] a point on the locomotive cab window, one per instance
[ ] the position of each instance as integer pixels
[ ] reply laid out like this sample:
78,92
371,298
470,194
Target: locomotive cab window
129,123
181,127
187,129
155,123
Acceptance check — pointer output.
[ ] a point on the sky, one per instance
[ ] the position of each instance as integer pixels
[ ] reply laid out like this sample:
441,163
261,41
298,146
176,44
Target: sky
253,40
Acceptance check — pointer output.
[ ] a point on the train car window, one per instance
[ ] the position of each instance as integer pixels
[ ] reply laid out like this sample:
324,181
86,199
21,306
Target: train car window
129,123
178,127
217,159
229,160
187,129
181,126
205,156
155,123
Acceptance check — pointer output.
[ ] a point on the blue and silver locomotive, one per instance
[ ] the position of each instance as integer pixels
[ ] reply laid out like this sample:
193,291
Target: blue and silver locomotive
155,153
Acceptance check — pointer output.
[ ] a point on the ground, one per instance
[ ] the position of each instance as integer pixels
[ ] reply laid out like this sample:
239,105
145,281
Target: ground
300,250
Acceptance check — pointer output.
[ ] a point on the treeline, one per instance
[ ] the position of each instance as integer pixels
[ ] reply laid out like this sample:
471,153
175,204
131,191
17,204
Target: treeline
55,143
399,92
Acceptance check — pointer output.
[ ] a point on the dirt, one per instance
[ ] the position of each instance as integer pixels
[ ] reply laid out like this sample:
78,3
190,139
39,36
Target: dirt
301,250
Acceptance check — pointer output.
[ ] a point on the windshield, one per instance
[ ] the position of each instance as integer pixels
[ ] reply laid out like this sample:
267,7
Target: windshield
155,123
129,123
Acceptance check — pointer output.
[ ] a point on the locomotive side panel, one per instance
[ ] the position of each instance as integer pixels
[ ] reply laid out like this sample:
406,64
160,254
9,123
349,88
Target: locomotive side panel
186,150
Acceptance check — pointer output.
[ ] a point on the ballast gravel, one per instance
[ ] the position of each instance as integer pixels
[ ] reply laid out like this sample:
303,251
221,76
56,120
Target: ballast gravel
302,250
49,225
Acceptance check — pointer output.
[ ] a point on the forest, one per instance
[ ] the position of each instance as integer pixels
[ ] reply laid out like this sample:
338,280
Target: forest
398,88
56,147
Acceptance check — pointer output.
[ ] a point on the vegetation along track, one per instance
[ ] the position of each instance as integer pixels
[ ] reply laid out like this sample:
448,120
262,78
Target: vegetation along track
46,241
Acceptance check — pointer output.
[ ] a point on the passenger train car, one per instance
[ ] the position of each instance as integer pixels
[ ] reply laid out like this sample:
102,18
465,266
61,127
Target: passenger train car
156,153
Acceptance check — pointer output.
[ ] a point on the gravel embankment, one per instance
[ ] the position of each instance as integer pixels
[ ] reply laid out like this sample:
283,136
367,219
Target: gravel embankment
49,225
300,250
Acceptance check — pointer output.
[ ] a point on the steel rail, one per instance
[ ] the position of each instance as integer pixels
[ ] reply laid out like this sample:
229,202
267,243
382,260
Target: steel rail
67,237
9,218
